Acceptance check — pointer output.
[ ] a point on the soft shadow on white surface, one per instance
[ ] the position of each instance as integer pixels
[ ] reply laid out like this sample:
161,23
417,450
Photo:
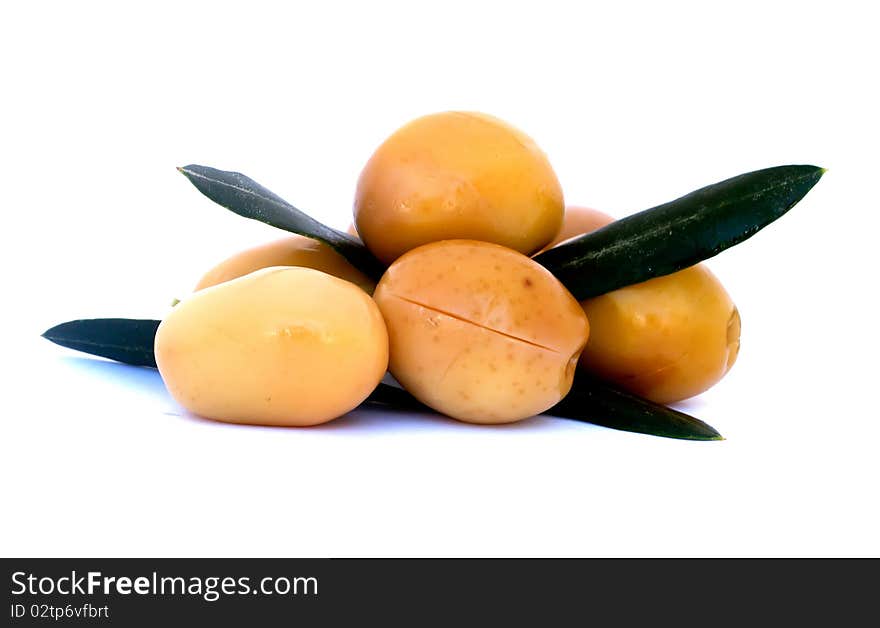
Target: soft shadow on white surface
141,380
137,474
136,378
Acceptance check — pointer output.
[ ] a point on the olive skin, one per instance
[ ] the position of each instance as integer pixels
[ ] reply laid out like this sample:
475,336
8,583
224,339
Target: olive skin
282,346
577,221
295,250
457,175
665,339
480,332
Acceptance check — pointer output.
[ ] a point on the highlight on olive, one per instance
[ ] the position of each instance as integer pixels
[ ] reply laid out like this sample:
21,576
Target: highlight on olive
457,175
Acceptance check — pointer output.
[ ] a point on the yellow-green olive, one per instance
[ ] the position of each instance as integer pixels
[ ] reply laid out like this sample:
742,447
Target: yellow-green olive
281,346
665,339
480,332
457,175
292,250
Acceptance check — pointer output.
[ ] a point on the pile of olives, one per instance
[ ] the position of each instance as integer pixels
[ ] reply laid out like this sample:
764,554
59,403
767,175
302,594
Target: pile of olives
290,333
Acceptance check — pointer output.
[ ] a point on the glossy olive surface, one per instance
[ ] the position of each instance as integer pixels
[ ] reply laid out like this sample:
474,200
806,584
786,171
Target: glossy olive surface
665,339
457,175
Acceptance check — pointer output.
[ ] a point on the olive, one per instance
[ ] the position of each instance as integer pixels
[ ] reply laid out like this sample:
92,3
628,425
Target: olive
480,332
293,250
666,339
577,221
457,175
280,346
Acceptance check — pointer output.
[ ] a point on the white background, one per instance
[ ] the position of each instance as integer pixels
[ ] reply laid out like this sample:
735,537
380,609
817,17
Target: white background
635,103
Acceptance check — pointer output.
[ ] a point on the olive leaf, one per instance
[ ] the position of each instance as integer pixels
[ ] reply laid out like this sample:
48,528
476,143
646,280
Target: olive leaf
678,234
590,401
594,401
247,198
122,339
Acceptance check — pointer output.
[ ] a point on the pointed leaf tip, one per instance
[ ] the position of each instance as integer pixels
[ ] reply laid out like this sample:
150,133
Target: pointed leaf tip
593,401
680,233
247,198
124,340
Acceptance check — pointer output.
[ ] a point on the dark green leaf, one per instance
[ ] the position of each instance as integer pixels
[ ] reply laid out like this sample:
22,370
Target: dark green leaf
121,339
131,341
247,198
595,402
679,234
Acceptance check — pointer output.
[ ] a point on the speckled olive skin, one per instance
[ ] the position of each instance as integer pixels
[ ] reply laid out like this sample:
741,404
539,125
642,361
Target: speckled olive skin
293,250
282,346
457,175
665,339
480,332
